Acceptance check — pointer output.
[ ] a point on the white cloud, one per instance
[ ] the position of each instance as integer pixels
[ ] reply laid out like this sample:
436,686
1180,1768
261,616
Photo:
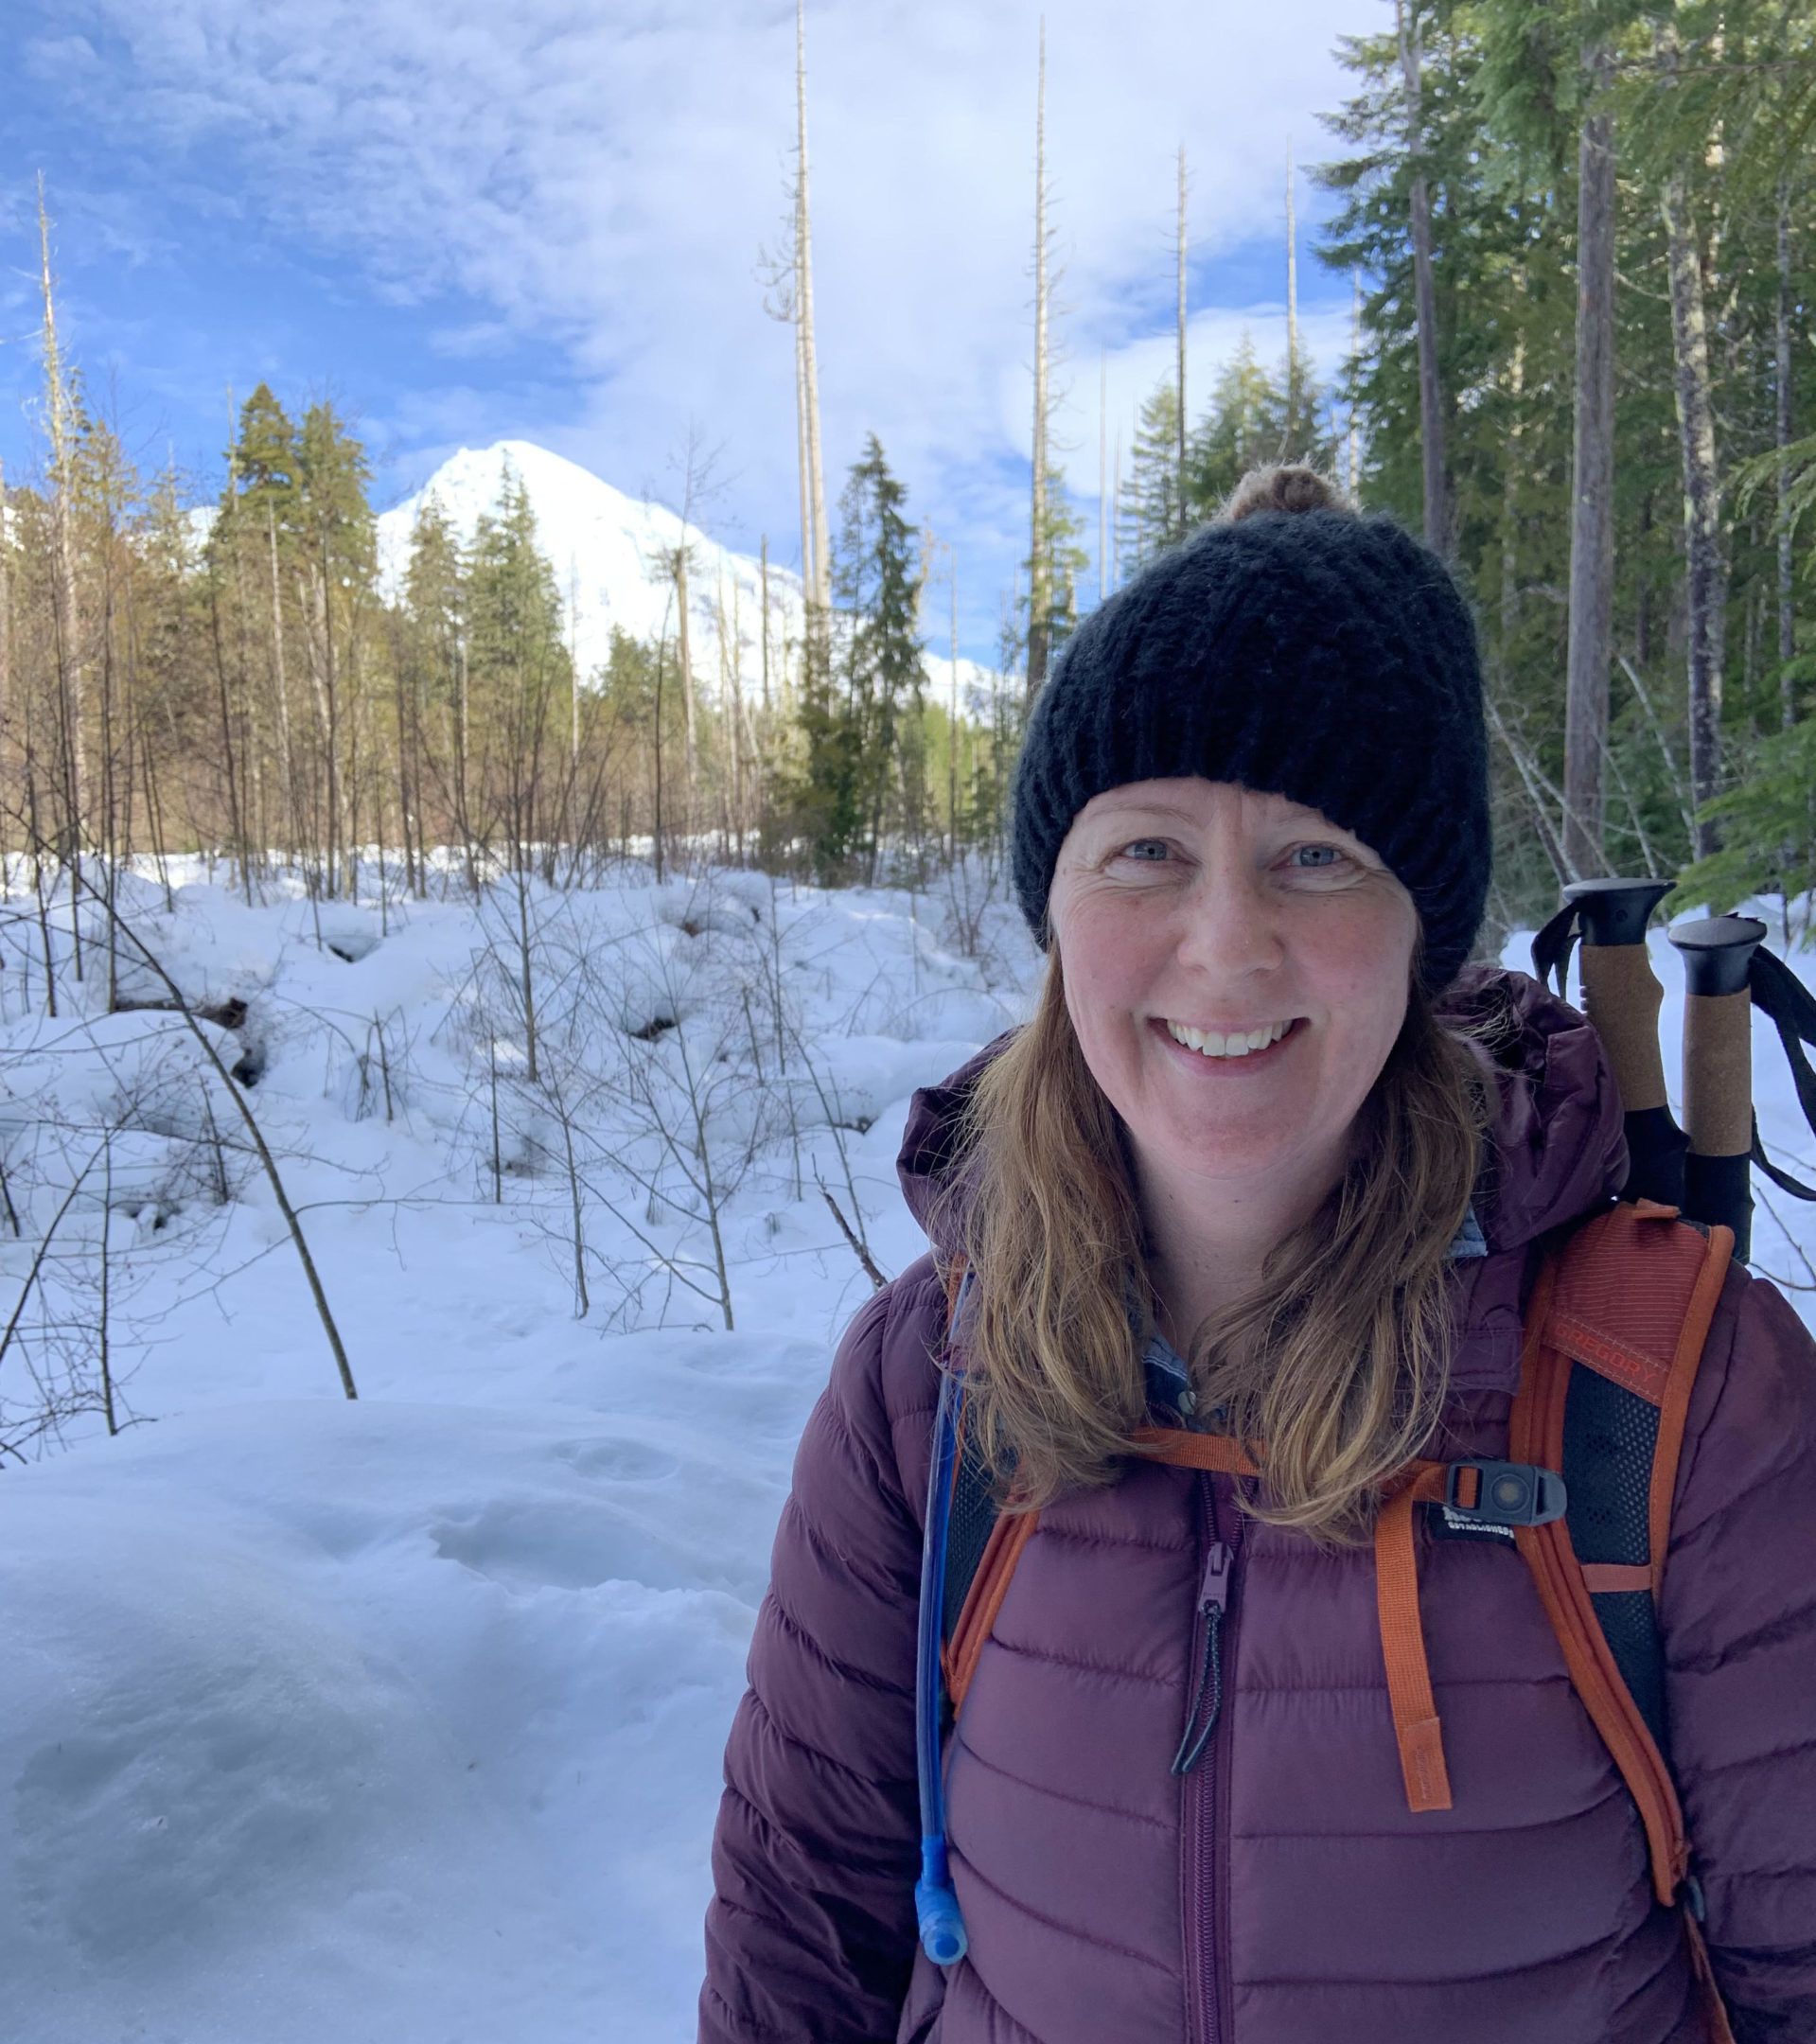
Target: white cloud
599,180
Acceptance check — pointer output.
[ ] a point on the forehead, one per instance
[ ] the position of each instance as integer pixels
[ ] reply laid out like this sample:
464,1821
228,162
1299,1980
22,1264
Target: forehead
1192,800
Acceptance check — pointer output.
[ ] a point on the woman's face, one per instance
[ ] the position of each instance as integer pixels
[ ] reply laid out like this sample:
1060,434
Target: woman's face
1235,968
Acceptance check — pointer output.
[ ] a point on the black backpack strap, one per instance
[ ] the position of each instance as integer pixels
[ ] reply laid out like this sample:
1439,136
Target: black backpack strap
969,1521
973,1511
1609,1443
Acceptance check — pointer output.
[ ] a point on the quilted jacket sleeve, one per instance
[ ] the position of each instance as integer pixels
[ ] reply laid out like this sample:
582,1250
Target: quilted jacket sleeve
811,1932
1739,1618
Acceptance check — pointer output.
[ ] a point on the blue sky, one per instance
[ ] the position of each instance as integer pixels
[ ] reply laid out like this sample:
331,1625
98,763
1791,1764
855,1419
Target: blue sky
468,221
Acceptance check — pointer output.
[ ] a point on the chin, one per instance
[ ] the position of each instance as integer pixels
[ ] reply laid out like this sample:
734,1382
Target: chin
1218,1150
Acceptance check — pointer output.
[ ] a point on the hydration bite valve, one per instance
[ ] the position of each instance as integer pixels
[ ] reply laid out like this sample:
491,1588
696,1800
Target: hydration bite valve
936,1907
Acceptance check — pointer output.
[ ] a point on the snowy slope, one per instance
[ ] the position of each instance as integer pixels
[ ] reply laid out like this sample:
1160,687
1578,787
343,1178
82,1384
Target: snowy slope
607,549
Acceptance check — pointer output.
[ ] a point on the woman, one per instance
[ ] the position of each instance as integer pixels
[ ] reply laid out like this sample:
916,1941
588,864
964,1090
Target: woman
1268,1162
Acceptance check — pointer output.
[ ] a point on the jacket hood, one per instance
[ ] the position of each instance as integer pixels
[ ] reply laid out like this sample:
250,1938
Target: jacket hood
1555,1150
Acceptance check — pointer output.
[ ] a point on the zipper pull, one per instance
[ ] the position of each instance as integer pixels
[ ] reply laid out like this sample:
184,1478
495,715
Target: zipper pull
1208,1691
1213,1592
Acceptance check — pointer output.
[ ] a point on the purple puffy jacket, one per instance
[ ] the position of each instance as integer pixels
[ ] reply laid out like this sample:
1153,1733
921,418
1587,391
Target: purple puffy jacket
1281,1892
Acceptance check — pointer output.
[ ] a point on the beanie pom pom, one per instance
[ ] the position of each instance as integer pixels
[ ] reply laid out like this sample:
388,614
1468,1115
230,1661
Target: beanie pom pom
1282,486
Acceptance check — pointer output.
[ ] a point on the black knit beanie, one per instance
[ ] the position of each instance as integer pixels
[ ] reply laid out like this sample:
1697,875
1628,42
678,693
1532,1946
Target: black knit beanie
1309,653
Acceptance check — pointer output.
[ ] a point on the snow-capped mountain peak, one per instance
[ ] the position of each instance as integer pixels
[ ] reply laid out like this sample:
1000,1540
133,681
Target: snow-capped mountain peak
610,554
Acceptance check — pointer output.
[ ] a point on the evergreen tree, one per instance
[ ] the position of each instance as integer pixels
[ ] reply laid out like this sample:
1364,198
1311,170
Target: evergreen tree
1253,419
519,663
857,706
1147,513
1053,576
263,463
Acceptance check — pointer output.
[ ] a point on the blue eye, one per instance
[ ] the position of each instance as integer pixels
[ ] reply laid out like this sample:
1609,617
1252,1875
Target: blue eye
1153,850
1313,856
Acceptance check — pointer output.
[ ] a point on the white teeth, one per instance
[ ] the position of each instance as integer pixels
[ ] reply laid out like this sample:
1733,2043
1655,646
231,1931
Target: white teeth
1239,1043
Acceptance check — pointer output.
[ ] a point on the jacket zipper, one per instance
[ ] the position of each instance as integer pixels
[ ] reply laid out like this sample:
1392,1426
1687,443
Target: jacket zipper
1204,1760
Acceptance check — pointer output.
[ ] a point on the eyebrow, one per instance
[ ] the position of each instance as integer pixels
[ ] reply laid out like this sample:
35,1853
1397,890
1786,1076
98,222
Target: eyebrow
1123,821
1146,811
1136,810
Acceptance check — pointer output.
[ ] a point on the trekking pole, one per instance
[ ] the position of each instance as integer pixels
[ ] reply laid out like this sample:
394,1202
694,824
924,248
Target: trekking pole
1718,1044
1718,1071
1622,995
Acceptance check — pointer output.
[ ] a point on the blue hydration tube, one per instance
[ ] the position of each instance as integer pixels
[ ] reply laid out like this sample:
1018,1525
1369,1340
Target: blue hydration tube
943,1935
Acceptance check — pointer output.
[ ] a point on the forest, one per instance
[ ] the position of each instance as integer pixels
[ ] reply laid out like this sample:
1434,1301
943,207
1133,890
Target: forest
1577,238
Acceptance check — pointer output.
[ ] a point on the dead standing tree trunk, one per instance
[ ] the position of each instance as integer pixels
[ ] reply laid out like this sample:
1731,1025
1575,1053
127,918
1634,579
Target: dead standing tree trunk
1180,477
285,759
1431,396
6,617
312,603
820,573
1592,522
683,602
70,690
1039,597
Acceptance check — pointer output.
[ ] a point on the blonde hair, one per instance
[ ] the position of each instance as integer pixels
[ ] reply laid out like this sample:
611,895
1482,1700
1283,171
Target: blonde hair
1331,1371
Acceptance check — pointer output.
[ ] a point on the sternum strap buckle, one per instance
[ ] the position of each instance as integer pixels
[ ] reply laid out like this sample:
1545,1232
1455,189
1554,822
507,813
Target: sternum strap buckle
1504,1494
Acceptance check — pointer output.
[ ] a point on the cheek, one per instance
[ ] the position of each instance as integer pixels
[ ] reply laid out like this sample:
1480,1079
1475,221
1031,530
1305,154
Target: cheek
1109,957
1362,969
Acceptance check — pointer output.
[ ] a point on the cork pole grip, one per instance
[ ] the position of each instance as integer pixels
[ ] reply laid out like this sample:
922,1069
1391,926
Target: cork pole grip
1623,995
1717,1073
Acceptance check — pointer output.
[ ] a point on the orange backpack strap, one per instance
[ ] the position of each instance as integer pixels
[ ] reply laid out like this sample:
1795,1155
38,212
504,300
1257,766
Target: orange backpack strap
1615,1334
955,1276
983,1599
983,1542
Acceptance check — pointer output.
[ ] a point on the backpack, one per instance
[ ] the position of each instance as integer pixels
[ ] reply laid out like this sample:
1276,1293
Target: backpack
1615,1325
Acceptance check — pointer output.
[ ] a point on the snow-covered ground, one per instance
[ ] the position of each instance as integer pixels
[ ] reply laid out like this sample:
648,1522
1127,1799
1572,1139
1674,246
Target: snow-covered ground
400,1721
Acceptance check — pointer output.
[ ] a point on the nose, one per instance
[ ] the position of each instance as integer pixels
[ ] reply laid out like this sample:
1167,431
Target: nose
1227,930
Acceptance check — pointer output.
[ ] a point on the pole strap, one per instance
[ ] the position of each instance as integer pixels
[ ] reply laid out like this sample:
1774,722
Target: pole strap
1787,1002
1552,946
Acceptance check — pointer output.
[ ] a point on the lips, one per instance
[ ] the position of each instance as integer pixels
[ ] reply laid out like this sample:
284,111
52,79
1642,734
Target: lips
1230,1042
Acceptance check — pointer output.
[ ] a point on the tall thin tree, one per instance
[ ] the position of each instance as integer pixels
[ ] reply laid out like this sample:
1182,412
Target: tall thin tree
1431,404
1180,486
1781,428
1591,510
1039,594
952,728
68,626
1705,569
817,572
1294,363
1102,470
6,604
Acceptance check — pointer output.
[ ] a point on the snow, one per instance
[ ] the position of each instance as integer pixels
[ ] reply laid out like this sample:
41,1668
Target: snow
401,1719
606,550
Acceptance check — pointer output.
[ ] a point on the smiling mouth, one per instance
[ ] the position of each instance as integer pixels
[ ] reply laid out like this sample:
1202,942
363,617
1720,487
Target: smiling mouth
1231,1044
